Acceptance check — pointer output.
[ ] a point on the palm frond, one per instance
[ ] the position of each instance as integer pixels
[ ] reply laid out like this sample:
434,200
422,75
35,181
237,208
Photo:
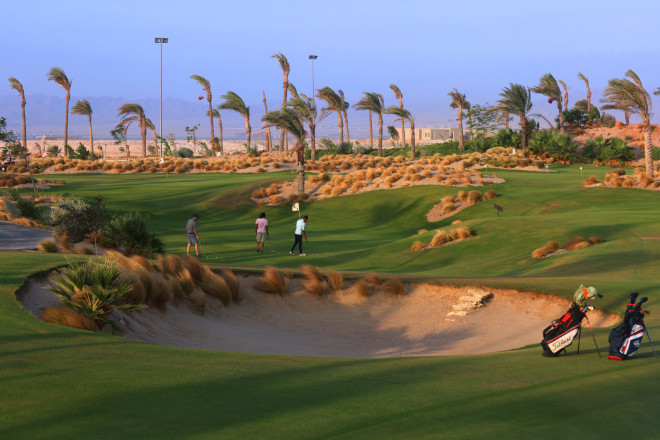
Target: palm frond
202,81
16,85
548,86
57,75
287,119
516,99
401,113
397,91
370,101
82,108
284,63
292,89
234,102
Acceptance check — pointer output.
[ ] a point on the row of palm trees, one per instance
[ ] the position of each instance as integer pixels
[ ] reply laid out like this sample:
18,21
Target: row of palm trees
627,95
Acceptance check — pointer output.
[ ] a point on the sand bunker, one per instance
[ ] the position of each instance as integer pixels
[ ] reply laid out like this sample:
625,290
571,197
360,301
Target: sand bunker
344,324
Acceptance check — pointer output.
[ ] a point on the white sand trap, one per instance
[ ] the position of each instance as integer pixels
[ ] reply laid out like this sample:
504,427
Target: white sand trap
346,324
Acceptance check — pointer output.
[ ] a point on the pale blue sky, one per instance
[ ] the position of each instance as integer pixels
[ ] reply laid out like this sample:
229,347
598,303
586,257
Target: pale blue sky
425,47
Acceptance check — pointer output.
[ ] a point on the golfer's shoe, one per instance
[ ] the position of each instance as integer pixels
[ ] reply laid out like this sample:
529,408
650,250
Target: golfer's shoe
291,252
303,255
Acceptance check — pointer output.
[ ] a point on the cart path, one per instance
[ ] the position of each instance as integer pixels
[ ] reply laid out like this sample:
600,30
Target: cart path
15,237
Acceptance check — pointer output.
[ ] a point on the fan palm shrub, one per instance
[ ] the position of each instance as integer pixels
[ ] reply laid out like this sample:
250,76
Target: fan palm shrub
93,289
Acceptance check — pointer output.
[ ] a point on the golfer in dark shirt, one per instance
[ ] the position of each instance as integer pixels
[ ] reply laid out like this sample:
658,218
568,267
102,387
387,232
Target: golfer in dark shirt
191,234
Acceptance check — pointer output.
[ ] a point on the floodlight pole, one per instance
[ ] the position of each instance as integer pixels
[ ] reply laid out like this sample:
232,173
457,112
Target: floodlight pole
161,41
313,57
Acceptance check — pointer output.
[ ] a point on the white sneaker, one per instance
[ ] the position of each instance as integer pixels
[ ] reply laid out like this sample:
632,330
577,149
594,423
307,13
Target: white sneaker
303,255
291,253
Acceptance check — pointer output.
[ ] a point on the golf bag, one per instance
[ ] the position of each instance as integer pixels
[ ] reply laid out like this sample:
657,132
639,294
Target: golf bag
562,331
626,338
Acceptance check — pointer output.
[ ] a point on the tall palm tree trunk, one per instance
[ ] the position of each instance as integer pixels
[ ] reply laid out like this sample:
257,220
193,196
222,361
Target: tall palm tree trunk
380,134
348,136
403,124
560,125
506,120
143,131
626,114
412,139
523,134
91,137
155,139
312,134
284,141
648,149
248,131
66,122
461,146
211,118
371,132
588,98
267,126
24,123
300,151
220,133
340,124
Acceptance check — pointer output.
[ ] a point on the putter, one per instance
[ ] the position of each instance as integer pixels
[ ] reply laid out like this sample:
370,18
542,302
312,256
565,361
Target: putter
201,252
269,245
592,335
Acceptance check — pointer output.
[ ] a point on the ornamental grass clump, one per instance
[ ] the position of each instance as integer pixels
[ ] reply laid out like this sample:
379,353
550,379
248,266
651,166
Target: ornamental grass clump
393,287
363,288
542,252
335,279
591,180
417,246
576,243
272,281
474,197
48,246
68,317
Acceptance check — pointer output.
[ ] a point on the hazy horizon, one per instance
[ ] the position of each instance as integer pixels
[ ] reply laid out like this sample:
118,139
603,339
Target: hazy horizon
426,48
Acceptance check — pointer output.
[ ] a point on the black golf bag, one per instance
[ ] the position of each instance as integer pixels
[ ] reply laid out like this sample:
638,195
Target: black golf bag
560,334
626,338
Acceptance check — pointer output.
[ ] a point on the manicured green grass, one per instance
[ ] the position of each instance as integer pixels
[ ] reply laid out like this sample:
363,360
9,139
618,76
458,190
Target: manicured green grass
65,383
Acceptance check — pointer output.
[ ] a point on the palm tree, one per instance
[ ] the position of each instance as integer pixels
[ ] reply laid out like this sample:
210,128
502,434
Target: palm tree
288,119
216,114
548,86
398,95
345,106
624,94
235,103
207,87
130,113
516,99
373,102
563,84
503,114
404,114
586,83
334,104
459,102
267,126
284,64
84,108
57,74
16,85
307,112
152,127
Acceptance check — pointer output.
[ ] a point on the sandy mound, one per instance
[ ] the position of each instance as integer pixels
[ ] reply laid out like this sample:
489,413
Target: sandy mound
345,324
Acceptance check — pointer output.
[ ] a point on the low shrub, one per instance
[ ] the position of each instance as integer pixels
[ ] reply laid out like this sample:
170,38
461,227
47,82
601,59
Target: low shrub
335,279
272,281
543,251
48,246
363,288
576,243
393,287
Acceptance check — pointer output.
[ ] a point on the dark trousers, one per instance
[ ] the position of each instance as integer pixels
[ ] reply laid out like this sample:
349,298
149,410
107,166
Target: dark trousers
297,241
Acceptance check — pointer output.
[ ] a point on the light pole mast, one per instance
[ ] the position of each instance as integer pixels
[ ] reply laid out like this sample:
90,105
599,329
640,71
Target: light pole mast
161,41
313,57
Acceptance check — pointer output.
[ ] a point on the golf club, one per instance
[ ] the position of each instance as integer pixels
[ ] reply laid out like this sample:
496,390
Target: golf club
594,336
201,252
269,245
650,341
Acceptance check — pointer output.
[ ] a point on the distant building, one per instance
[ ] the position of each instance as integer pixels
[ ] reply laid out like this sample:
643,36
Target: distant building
434,135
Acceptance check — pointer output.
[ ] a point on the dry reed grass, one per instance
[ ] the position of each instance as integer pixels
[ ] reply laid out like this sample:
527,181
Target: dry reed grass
272,281
490,195
576,243
363,288
65,316
232,282
335,279
474,197
393,287
441,237
417,246
373,279
543,251
48,246
594,240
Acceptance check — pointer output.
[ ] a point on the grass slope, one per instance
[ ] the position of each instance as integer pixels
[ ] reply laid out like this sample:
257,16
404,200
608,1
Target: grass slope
65,383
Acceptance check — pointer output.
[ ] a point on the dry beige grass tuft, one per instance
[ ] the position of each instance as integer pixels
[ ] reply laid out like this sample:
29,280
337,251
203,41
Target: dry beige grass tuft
441,237
49,246
362,287
232,282
393,287
65,316
417,246
272,281
594,240
215,285
474,197
543,251
373,279
576,243
490,195
335,279
591,180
